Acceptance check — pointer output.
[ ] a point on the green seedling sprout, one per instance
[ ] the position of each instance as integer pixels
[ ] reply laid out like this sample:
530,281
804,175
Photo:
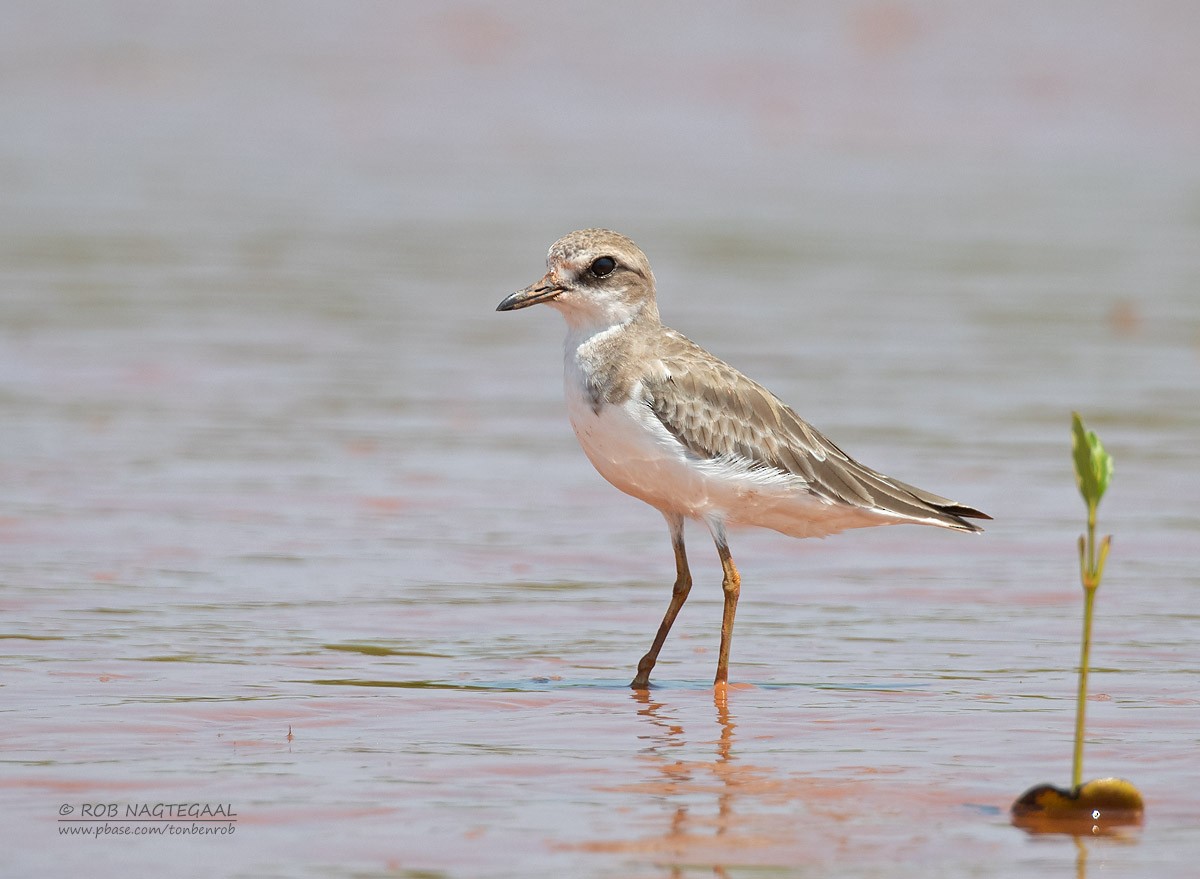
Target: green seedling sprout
1113,801
1093,471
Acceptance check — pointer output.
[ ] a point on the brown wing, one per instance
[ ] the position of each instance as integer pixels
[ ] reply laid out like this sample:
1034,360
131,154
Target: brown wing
715,411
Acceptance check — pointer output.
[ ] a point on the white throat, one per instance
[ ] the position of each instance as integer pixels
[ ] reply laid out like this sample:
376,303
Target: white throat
590,312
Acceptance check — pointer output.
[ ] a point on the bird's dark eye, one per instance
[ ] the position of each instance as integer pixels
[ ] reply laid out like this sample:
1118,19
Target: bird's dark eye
603,266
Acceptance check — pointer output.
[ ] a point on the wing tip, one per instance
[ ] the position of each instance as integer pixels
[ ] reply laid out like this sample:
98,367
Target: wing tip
960,514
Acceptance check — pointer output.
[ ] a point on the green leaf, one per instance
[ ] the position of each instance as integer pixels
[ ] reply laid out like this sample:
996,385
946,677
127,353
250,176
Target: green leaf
1093,465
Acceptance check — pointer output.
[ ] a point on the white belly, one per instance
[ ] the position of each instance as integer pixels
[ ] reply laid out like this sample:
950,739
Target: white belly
632,450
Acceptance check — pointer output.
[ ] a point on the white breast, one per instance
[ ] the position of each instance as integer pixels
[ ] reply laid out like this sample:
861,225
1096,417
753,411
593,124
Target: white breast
632,450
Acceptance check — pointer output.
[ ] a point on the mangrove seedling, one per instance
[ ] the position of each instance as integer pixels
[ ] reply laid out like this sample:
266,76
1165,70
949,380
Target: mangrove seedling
1104,801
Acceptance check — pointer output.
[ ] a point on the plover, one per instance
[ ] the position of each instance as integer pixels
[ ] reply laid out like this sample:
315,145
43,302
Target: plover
670,424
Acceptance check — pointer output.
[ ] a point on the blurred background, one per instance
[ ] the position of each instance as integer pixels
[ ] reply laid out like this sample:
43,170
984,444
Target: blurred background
255,401
258,246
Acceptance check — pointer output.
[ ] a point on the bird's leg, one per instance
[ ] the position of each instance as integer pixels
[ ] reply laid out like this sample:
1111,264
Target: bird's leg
679,594
731,584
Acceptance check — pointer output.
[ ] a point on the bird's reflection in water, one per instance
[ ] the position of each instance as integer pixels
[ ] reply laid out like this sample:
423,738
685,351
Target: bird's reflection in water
686,784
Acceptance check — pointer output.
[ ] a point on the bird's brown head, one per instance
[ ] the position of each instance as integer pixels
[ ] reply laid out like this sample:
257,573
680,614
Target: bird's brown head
593,276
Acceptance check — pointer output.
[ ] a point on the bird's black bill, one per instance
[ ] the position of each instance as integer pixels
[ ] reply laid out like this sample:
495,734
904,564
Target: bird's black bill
542,291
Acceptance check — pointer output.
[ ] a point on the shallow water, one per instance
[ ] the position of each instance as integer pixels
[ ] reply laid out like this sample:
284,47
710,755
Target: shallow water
293,522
